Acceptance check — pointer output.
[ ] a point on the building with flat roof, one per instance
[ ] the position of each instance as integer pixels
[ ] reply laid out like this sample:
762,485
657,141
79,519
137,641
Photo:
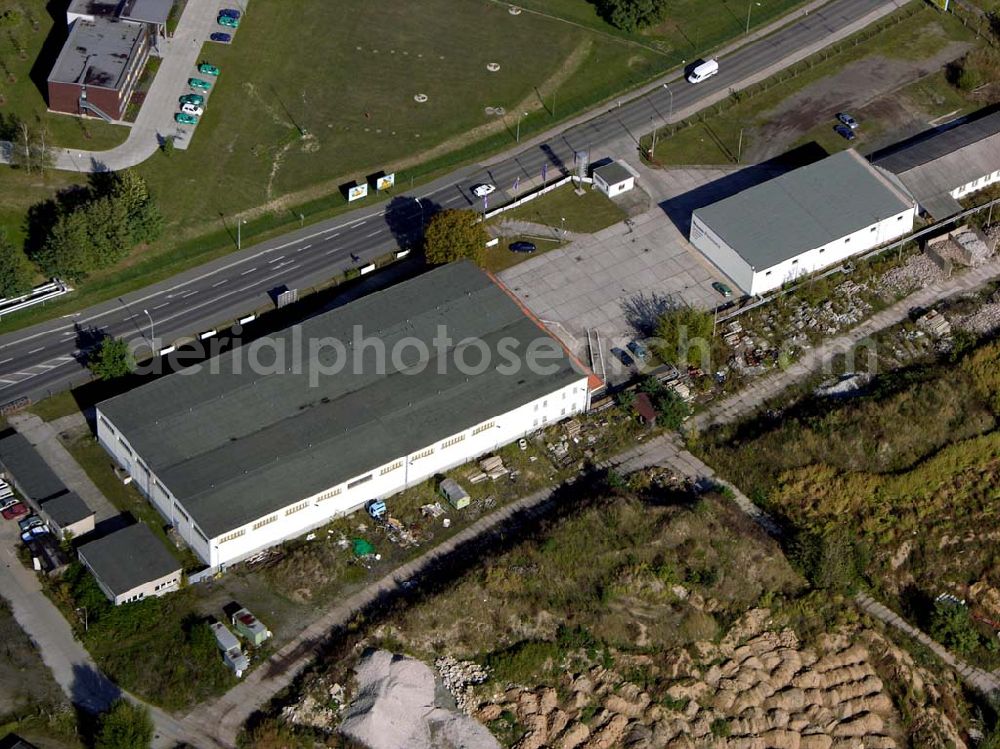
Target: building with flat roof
98,67
239,454
613,179
63,511
152,13
943,165
802,221
89,10
131,564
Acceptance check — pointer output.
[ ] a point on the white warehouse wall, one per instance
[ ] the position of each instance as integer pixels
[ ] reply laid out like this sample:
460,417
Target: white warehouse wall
302,514
893,227
976,185
720,254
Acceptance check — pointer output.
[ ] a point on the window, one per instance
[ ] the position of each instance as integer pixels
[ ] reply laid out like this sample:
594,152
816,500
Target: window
203,536
873,228
360,481
125,447
422,454
390,468
484,427
328,494
847,241
795,261
822,249
233,535
899,218
179,511
261,523
295,508
768,273
107,425
452,441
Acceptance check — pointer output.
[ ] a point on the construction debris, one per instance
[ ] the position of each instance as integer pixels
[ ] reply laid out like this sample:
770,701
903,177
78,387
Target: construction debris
935,324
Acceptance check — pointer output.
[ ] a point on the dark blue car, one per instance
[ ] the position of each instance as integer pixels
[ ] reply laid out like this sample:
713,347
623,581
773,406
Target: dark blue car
218,36
844,132
230,13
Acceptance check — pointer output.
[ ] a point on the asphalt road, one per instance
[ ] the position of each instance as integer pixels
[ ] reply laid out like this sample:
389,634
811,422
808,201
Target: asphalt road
47,358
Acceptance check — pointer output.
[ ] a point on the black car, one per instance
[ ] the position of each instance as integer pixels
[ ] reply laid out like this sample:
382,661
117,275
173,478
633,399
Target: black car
230,13
844,132
623,356
218,36
526,247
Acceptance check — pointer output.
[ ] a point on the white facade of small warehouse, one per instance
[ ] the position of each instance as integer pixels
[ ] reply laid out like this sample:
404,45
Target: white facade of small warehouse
238,462
801,222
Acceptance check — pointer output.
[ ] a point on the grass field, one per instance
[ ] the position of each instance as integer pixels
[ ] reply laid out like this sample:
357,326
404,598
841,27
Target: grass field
717,139
564,209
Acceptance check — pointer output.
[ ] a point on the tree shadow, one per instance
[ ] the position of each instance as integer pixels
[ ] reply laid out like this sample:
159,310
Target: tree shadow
407,218
42,217
91,690
642,311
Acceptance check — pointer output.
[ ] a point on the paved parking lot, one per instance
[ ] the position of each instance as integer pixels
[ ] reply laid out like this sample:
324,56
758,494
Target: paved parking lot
616,280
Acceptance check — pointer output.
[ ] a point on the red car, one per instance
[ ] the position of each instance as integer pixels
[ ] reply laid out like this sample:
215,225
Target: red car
15,510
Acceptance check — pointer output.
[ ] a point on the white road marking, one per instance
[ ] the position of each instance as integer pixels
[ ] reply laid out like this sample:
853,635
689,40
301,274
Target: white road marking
248,271
5,361
219,283
377,231
36,350
161,306
190,293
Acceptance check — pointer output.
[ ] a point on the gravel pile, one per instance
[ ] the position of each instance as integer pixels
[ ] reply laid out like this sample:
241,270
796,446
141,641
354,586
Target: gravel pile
394,708
459,677
984,320
914,274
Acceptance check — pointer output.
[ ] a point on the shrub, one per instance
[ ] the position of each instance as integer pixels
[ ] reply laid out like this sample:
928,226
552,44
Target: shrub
124,726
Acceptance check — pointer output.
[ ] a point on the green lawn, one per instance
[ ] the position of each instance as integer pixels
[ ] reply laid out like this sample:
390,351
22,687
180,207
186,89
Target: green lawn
583,214
716,139
500,258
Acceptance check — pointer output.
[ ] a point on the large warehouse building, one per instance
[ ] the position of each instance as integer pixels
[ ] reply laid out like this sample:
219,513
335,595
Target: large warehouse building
245,457
941,166
802,221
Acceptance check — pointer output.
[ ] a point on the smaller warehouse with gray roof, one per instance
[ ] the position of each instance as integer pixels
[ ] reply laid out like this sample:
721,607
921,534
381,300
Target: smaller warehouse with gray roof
131,564
808,219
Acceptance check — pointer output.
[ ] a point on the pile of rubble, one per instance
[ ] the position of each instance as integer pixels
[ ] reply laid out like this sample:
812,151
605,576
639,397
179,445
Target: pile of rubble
489,468
459,677
313,712
984,320
915,273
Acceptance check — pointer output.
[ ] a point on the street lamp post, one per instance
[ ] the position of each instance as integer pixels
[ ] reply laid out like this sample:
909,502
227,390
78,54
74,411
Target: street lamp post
562,227
518,136
420,205
239,233
670,116
749,8
152,331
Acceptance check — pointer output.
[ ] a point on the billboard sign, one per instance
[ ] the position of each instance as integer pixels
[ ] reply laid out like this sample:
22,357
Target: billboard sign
385,182
357,192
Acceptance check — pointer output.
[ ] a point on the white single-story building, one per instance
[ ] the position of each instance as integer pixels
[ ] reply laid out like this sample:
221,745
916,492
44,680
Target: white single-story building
941,166
131,564
802,221
613,179
238,455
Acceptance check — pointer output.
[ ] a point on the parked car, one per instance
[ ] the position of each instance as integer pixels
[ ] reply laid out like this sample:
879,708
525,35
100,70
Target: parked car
228,22
526,247
230,12
218,36
848,120
722,289
8,502
192,109
183,118
34,532
638,350
32,521
844,132
206,69
481,191
623,356
15,510
197,99
199,83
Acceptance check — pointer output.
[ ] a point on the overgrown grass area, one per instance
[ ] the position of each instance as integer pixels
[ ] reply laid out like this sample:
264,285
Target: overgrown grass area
55,406
564,208
721,135
905,470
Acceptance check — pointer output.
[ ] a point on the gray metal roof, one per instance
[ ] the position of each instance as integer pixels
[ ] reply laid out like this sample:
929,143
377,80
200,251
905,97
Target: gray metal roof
236,446
613,173
127,558
147,11
66,509
804,209
97,53
30,472
934,163
96,8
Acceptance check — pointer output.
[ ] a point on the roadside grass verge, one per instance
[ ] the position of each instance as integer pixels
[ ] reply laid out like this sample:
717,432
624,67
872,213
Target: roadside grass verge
563,208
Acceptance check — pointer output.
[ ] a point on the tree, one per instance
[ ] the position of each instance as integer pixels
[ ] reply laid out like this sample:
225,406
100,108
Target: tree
66,252
124,726
952,626
111,359
631,15
143,216
453,235
685,337
29,149
16,271
832,560
671,409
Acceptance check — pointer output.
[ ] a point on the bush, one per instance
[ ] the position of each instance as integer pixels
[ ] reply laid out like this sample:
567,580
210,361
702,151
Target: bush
524,661
952,626
111,359
124,726
831,560
685,337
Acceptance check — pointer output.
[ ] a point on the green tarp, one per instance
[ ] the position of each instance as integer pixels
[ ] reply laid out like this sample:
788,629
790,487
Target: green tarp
362,548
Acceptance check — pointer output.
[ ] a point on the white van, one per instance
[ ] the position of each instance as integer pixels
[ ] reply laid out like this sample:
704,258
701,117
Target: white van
703,70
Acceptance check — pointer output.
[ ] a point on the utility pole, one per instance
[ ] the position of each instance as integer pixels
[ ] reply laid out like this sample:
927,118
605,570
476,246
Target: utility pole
517,139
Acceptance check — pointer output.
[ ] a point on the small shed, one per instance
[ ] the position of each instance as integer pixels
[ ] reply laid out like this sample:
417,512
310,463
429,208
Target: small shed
249,627
613,179
454,493
67,515
646,410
